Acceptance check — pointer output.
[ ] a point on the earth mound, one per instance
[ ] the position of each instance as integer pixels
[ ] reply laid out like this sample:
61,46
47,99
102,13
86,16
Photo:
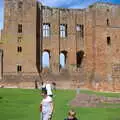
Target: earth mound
85,100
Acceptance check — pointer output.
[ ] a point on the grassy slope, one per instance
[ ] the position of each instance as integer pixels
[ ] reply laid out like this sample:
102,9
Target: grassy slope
19,104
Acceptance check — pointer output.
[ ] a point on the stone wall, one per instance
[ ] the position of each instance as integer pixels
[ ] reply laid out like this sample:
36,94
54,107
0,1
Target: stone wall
99,44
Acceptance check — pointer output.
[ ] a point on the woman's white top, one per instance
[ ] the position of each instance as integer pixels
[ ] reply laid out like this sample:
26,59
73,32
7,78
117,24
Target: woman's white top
49,89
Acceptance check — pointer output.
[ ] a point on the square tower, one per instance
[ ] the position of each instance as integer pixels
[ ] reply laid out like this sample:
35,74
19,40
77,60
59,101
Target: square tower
19,37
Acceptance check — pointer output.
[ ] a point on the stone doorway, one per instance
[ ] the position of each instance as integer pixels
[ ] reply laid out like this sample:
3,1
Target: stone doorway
79,58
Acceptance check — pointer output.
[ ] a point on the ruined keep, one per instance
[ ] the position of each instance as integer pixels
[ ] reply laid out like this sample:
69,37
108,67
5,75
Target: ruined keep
88,38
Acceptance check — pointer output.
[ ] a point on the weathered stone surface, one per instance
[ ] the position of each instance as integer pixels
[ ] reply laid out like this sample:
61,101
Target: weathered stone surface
99,67
85,100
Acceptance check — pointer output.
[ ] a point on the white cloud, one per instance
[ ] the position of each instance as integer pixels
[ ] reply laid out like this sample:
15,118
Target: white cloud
68,4
84,4
52,2
60,3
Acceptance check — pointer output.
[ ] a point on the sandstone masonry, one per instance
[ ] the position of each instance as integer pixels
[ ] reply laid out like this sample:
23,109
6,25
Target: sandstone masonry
88,38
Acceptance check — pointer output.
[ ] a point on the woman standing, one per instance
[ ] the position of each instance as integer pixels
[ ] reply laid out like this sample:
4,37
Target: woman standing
46,106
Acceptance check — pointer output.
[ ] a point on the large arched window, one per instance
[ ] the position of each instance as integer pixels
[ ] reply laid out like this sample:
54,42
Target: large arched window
46,59
79,58
63,59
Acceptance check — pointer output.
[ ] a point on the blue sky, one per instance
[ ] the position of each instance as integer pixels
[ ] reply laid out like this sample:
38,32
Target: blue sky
60,3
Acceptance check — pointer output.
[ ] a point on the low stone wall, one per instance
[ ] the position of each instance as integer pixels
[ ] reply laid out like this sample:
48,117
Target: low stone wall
20,81
62,82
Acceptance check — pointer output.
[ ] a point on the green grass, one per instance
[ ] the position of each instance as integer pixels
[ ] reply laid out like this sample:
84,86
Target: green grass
20,104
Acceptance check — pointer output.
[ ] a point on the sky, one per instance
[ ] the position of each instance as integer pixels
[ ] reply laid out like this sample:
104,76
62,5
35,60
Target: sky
60,3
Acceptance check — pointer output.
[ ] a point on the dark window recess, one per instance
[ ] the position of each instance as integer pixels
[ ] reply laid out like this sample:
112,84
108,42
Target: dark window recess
19,49
108,10
80,29
63,30
108,41
46,30
19,39
20,4
19,28
19,68
108,22
79,58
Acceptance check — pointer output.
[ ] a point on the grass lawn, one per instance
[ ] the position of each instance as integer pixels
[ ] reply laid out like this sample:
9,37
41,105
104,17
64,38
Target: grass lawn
20,104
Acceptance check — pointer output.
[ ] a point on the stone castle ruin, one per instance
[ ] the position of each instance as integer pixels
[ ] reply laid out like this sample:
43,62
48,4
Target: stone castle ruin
88,39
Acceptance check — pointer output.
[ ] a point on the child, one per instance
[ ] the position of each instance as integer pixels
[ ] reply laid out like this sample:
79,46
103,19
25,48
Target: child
71,115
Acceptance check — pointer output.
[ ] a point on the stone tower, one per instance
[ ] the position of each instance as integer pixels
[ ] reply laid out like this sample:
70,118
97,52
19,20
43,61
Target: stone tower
19,37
